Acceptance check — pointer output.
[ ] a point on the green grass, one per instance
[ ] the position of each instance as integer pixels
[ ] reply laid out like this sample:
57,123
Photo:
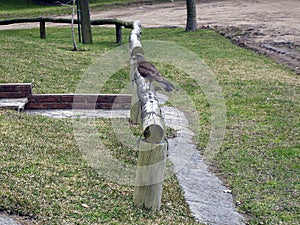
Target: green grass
50,183
58,73
27,8
16,4
44,176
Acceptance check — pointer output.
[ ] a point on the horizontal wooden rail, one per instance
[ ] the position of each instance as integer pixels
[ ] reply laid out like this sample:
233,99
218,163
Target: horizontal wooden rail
125,24
42,20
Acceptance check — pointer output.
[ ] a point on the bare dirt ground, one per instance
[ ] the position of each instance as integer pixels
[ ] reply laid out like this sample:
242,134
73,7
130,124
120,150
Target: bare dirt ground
270,27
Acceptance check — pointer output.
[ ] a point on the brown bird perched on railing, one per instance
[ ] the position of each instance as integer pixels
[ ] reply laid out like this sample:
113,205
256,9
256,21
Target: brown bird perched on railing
149,72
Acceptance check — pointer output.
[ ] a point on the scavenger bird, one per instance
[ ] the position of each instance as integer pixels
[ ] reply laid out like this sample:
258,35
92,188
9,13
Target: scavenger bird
149,72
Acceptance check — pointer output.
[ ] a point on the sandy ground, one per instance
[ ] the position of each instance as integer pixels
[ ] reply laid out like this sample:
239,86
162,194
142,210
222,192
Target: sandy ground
271,27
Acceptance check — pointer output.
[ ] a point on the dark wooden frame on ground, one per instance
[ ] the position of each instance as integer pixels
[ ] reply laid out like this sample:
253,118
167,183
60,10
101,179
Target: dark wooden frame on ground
15,91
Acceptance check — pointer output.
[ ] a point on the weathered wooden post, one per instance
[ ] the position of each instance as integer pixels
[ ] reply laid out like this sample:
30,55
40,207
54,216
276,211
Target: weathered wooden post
145,110
119,33
42,29
150,174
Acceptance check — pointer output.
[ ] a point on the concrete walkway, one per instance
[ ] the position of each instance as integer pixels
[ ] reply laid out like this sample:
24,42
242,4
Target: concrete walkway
209,201
13,103
67,113
4,220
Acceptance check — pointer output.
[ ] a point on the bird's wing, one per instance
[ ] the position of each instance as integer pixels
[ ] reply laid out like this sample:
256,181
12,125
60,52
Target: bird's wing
148,70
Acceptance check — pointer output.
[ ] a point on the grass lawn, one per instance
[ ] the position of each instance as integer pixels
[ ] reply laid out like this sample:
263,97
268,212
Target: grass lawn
44,176
26,8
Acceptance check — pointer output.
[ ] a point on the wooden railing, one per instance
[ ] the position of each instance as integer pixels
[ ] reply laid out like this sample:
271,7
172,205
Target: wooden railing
145,110
42,20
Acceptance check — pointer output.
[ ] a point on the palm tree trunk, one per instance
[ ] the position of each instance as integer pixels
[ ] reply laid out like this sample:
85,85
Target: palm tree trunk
191,23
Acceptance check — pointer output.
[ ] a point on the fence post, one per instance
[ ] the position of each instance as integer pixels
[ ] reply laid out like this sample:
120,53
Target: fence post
150,174
42,29
119,33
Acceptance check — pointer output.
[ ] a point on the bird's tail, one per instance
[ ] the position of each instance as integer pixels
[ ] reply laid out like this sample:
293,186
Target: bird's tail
167,85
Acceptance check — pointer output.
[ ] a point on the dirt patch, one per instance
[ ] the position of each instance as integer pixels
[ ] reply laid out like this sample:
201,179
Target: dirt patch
282,51
268,27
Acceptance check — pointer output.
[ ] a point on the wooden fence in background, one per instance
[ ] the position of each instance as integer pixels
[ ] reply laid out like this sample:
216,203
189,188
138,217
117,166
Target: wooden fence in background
42,20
